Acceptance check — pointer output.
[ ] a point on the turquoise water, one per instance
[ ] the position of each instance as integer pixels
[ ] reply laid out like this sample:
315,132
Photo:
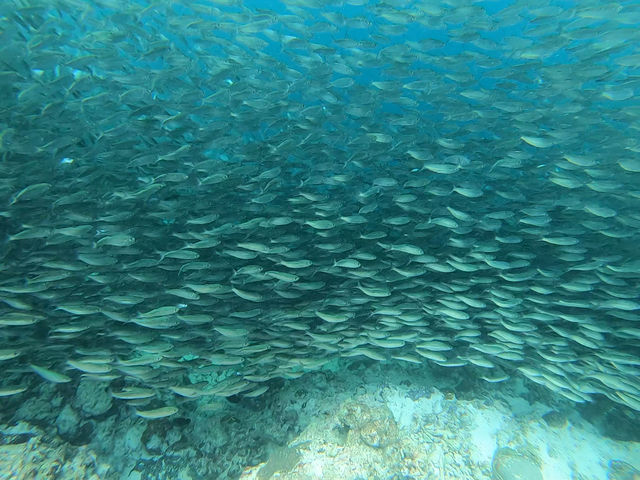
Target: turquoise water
230,228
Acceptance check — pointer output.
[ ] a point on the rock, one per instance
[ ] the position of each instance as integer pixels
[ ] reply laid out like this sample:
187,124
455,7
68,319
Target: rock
555,419
508,464
619,470
67,422
174,436
154,445
45,457
611,420
281,460
380,432
375,426
92,398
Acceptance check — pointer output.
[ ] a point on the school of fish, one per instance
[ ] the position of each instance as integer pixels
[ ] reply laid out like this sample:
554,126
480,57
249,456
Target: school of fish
207,184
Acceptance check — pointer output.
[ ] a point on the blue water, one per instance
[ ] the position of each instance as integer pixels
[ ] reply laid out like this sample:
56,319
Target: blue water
476,165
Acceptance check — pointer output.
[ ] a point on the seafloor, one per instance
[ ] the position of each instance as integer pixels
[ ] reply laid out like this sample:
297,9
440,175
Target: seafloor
356,420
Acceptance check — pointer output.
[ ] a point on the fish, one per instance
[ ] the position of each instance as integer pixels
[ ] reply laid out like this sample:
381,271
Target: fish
157,413
133,393
10,390
283,194
8,354
117,240
30,192
50,375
